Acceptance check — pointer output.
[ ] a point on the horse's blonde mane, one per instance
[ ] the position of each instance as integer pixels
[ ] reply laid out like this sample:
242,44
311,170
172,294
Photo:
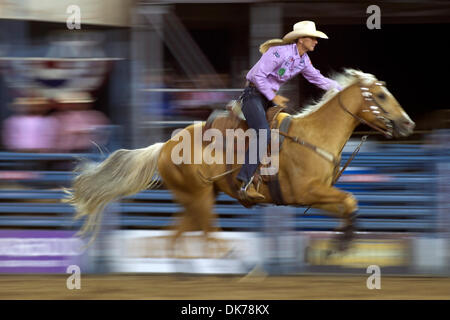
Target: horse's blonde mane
345,79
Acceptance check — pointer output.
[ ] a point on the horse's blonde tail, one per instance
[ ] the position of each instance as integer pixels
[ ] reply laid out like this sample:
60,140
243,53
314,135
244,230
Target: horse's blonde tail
123,173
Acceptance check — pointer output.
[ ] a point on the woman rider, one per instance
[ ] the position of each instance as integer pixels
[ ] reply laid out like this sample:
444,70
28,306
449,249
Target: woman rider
282,59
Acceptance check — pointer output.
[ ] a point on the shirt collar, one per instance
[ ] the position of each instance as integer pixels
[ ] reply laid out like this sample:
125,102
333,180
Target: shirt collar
295,54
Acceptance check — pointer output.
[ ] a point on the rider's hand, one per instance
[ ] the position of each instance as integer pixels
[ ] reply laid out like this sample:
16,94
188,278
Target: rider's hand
280,101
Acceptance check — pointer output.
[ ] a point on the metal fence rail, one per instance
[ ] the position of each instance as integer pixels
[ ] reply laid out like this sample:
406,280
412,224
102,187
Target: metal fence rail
395,189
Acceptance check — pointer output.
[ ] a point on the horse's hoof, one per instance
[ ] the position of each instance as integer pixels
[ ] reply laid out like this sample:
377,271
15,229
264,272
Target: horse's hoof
345,240
343,245
329,253
346,236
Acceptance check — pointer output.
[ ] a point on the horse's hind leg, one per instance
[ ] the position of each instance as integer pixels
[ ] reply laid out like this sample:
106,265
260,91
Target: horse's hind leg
198,213
201,211
185,224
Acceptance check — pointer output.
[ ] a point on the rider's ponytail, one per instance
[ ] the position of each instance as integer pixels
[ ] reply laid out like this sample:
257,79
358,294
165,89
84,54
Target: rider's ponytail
272,43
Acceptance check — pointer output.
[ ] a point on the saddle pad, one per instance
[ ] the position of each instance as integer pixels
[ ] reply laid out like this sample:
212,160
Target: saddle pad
283,123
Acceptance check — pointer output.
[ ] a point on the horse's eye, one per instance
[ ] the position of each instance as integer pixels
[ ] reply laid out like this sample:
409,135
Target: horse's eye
381,96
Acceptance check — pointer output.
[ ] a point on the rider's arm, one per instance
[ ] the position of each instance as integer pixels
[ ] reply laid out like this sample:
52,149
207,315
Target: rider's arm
315,77
269,63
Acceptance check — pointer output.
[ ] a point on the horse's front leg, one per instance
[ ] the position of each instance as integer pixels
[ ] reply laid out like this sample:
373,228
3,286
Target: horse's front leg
347,228
337,202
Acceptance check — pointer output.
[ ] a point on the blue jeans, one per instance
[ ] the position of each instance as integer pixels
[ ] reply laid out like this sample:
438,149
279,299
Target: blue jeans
254,107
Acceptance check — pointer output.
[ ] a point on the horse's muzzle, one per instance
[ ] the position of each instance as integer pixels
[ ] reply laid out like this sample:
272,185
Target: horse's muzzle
403,127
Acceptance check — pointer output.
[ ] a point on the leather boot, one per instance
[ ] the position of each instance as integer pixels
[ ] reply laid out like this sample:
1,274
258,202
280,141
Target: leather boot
248,191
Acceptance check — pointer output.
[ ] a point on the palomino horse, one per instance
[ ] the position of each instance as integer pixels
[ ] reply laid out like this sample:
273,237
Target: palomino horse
305,175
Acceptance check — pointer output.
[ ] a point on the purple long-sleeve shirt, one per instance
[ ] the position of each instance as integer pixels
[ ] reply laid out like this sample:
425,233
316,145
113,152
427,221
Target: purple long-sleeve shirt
281,63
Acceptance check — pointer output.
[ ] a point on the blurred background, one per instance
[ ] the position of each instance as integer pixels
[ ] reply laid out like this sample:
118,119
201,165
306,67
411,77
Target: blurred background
137,70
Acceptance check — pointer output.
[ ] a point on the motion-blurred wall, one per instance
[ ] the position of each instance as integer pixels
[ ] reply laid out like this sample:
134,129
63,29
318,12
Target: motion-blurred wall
100,12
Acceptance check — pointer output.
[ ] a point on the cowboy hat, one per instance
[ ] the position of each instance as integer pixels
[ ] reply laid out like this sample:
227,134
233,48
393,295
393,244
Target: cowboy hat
304,29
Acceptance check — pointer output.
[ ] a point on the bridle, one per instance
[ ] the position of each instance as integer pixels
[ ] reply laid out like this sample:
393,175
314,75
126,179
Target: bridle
372,105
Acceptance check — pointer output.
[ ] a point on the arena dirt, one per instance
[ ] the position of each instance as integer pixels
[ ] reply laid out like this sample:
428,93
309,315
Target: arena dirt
221,287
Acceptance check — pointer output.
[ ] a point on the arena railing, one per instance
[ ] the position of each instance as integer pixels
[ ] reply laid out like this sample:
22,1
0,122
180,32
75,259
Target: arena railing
396,190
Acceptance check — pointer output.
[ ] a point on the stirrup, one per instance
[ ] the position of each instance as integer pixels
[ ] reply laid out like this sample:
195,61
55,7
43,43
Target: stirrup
243,195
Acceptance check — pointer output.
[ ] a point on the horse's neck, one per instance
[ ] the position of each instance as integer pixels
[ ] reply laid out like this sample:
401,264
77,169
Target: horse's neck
330,127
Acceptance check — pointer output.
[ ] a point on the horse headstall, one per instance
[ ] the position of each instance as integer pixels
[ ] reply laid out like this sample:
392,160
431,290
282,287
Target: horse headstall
373,106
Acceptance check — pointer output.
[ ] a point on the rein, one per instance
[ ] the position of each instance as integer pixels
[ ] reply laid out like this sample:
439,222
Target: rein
347,163
350,159
325,154
374,109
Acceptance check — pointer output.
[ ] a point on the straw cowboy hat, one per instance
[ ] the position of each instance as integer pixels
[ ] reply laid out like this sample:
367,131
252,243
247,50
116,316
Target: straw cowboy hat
304,29
301,29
